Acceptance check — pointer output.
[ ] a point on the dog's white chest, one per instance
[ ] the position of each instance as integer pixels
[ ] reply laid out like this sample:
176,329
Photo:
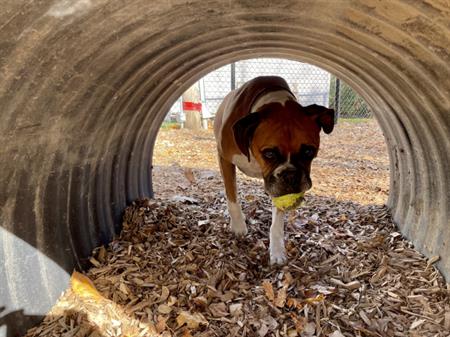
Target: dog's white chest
250,168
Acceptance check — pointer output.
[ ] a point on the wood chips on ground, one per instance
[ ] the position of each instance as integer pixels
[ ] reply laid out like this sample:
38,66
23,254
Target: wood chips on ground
352,163
176,270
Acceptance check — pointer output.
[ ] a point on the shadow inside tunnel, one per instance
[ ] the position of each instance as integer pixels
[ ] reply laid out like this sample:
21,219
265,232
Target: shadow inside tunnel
16,323
71,321
39,250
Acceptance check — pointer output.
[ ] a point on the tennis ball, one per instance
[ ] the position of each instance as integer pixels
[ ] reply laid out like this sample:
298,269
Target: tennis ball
288,201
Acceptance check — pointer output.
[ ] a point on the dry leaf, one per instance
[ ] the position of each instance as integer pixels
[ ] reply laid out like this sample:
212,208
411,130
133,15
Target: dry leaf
350,285
172,300
94,262
268,288
201,302
164,309
309,330
249,197
187,333
161,324
263,330
416,323
324,290
288,279
101,254
299,322
218,309
280,300
189,174
292,333
317,299
84,287
271,322
433,259
235,309
192,321
123,288
164,294
447,318
364,317
294,303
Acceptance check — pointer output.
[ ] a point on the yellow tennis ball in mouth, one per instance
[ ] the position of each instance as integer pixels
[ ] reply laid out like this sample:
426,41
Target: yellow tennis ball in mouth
288,201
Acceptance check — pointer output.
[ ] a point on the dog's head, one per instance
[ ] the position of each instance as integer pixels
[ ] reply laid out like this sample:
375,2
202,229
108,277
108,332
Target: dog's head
284,139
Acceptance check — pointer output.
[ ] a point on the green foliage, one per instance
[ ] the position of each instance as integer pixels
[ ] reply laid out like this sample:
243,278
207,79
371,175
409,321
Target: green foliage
351,104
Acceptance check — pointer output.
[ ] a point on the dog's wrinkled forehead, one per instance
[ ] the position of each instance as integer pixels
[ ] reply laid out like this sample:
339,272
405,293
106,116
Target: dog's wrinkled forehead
288,131
288,125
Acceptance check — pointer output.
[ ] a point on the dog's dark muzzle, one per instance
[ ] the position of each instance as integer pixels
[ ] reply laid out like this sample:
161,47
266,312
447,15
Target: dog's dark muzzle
290,180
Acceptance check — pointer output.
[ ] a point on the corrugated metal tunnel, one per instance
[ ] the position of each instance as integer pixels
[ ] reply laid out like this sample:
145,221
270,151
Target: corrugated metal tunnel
85,85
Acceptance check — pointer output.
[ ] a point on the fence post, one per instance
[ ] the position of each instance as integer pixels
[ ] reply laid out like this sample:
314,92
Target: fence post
192,107
233,76
337,99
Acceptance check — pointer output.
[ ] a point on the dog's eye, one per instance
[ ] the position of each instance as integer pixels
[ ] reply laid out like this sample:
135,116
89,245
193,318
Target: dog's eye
308,152
270,154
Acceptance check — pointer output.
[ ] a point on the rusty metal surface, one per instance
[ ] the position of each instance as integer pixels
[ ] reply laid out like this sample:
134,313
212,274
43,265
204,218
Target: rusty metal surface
85,84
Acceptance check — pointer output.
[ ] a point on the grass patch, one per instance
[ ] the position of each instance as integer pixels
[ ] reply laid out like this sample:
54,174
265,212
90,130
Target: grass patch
355,120
170,125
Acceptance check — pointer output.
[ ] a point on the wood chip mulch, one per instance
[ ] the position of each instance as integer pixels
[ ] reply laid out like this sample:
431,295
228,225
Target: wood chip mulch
176,270
352,163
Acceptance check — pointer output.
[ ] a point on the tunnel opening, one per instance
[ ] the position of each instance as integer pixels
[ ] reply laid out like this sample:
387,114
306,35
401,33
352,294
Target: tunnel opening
311,85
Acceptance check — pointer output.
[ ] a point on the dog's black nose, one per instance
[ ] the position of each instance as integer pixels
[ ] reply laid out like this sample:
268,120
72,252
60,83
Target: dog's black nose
295,180
291,177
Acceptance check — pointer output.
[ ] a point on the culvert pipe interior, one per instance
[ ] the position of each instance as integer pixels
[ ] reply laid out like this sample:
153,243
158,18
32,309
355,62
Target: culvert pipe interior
85,85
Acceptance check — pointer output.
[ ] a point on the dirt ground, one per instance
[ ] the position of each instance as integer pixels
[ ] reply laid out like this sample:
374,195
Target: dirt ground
176,270
352,163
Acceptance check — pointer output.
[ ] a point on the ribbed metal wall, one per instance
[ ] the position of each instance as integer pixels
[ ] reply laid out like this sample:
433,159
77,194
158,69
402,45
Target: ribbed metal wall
84,85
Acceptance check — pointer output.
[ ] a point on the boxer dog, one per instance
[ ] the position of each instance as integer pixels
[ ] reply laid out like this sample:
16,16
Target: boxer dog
266,133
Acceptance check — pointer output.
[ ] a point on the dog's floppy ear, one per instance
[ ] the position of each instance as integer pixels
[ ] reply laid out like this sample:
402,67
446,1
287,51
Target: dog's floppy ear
243,131
324,116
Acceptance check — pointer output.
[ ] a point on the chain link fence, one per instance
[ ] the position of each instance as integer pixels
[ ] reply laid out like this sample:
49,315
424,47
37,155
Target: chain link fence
346,101
310,84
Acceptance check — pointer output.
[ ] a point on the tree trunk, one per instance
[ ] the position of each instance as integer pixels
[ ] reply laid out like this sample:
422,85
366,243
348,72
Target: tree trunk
193,117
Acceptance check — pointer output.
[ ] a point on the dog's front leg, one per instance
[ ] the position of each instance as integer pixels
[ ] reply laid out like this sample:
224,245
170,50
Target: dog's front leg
277,250
228,171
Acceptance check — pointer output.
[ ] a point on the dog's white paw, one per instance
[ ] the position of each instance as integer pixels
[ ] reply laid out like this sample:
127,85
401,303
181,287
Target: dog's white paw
277,256
238,225
239,228
278,259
